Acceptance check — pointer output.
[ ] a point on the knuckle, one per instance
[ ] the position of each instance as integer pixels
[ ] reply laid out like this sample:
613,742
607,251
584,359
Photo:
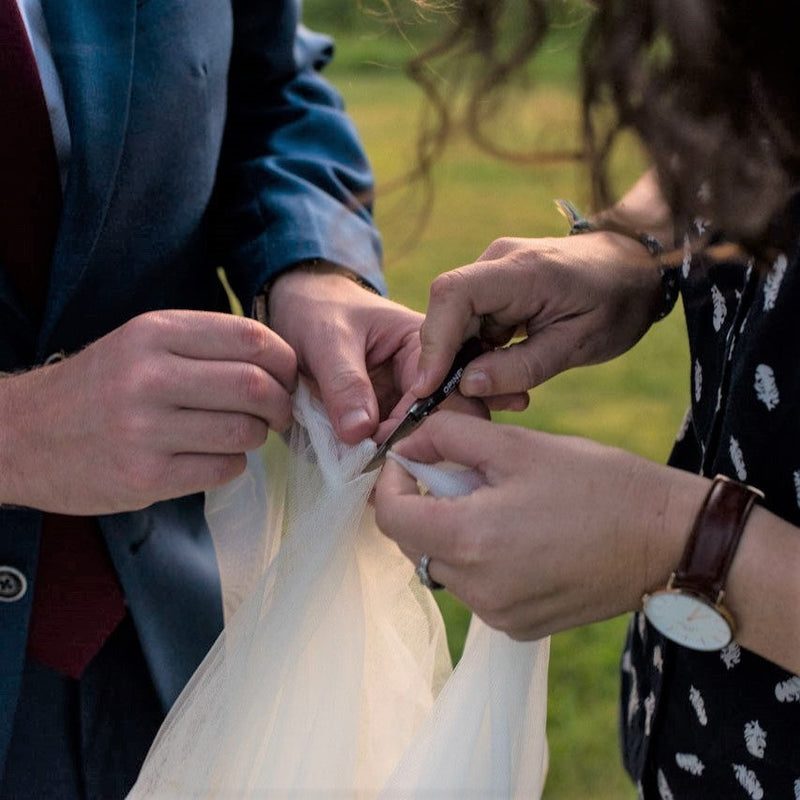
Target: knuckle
447,286
253,337
530,367
346,380
469,550
499,248
281,417
252,385
241,433
150,327
143,475
133,428
145,378
226,468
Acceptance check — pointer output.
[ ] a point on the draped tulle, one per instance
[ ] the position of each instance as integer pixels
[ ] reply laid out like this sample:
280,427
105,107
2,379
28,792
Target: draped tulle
332,677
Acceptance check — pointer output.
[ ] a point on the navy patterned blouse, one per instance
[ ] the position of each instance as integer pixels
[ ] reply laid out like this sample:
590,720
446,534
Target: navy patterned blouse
726,724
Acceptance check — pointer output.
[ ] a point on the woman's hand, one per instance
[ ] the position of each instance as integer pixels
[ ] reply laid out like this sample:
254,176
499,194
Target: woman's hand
164,406
564,532
574,300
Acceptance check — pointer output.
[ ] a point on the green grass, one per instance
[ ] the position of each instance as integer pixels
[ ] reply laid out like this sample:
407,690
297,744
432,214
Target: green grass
636,401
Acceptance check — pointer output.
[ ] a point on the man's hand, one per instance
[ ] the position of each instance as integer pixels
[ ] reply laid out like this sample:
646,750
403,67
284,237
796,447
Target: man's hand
360,349
164,406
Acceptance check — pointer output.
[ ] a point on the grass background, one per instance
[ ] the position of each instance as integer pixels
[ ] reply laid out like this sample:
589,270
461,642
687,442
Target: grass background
636,402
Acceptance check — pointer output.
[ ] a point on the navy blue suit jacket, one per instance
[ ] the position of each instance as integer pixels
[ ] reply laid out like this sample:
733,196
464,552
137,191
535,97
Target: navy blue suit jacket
202,136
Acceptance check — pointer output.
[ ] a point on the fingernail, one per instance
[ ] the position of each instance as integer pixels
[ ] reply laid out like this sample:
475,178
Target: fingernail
475,383
353,419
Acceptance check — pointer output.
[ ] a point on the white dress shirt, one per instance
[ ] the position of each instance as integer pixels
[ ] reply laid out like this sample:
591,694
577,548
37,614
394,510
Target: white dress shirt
33,18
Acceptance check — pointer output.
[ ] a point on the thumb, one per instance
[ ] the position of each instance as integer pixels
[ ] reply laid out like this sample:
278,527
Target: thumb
339,368
457,438
520,366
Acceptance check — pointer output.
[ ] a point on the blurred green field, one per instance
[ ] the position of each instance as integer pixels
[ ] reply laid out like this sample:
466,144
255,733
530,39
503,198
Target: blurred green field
636,402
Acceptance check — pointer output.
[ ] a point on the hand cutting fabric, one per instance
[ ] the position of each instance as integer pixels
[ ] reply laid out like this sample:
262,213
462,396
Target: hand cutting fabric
572,301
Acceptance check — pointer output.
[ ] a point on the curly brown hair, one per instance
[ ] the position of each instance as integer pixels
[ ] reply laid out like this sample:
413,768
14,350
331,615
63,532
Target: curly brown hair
711,87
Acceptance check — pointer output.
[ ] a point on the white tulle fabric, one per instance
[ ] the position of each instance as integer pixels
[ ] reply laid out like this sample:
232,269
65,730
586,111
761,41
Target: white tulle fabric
332,677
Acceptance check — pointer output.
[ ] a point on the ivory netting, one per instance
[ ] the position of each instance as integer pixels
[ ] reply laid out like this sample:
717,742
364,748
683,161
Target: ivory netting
332,677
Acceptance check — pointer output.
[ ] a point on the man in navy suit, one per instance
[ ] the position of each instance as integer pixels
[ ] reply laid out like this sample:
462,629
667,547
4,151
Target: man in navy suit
198,134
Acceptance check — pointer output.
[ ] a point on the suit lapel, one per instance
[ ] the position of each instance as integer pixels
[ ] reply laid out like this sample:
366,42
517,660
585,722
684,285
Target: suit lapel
92,43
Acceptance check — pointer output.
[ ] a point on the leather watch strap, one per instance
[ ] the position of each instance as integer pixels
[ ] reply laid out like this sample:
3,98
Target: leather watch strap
714,538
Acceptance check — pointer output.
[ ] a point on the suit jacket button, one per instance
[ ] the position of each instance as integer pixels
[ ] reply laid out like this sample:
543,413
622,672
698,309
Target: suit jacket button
12,584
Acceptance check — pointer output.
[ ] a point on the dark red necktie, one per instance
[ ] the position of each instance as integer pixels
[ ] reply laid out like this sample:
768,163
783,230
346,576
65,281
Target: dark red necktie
30,200
77,599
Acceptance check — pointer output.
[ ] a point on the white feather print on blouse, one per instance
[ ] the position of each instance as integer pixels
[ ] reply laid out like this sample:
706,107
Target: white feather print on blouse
766,387
796,479
772,283
690,763
731,655
698,704
649,708
737,458
698,381
664,792
755,739
658,658
788,691
748,781
720,308
633,696
687,419
797,789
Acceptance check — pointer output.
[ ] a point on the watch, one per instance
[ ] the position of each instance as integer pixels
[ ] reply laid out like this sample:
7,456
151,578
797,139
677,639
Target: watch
690,610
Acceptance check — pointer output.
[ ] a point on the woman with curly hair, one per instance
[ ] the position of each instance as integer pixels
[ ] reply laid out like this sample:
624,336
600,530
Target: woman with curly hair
704,551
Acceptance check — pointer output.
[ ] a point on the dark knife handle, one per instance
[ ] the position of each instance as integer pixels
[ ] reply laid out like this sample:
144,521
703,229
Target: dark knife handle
470,350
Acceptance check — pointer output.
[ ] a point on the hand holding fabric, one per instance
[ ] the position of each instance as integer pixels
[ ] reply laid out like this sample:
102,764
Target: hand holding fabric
359,348
565,531
164,406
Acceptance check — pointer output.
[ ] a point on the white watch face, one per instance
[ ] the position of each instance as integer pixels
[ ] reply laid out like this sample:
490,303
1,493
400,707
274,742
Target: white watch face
688,620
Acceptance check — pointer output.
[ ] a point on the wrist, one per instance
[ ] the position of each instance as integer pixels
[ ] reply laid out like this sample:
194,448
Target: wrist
651,243
677,497
691,609
263,301
10,452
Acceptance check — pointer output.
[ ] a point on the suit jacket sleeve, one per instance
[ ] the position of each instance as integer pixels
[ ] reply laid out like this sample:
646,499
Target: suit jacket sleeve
293,181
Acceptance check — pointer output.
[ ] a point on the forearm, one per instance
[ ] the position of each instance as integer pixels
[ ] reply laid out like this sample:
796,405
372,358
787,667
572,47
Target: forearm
23,442
762,591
